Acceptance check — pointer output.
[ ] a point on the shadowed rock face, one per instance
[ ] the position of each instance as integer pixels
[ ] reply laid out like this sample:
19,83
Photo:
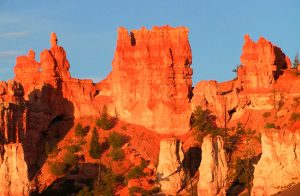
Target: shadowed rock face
213,168
151,78
278,167
29,106
170,169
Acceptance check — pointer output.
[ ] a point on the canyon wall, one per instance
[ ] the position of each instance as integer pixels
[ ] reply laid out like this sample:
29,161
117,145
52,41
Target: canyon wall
261,65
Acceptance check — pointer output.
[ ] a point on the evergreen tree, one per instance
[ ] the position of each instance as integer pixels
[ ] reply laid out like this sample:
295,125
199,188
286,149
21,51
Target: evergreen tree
104,122
95,148
296,61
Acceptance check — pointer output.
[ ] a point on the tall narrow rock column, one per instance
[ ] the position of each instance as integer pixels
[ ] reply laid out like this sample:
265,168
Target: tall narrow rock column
170,171
13,171
213,168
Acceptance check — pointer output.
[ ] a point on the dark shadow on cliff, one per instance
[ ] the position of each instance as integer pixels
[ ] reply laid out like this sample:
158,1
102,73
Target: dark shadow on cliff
49,117
244,169
280,63
74,181
192,159
86,177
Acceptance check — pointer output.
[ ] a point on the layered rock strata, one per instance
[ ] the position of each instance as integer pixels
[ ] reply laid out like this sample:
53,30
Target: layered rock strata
151,78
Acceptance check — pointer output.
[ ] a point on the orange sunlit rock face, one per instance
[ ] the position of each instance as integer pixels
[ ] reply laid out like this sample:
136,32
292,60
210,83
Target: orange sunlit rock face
151,78
261,63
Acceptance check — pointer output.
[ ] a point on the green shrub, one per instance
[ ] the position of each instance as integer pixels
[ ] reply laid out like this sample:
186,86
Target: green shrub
137,171
270,125
85,191
47,148
73,148
70,158
266,114
117,154
295,116
54,151
107,184
80,131
135,189
116,140
203,122
58,168
244,172
104,122
95,148
81,141
296,101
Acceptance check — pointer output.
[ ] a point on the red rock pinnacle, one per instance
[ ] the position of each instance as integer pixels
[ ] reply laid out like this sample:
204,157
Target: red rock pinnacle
53,39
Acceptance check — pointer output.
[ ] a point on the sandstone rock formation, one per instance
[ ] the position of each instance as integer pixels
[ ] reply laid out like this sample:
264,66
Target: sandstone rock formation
151,78
220,99
13,171
278,167
213,167
170,170
53,70
261,63
150,85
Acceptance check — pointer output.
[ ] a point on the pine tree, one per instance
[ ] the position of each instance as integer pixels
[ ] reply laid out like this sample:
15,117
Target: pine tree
296,61
104,122
95,149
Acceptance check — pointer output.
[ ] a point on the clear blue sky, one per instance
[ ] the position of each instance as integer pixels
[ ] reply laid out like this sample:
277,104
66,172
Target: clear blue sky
87,30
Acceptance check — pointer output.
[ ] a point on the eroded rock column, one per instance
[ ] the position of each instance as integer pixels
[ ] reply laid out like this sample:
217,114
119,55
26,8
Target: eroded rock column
13,171
213,168
279,165
170,171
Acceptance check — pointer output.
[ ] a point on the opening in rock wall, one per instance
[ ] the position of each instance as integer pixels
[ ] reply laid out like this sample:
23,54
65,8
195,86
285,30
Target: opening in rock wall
231,112
96,93
57,119
132,39
192,159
